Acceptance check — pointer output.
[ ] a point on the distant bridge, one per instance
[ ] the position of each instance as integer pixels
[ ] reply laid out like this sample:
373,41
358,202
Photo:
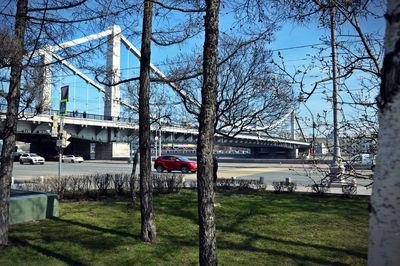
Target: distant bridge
111,131
89,128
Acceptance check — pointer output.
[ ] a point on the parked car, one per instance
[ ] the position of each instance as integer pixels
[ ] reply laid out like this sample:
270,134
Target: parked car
31,158
175,163
361,161
17,154
72,159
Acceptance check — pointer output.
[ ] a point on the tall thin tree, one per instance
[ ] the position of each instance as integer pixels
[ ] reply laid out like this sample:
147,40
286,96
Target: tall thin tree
148,231
205,143
10,128
384,233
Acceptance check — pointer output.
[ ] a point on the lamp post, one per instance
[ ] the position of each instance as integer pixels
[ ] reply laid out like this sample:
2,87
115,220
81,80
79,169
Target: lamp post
336,167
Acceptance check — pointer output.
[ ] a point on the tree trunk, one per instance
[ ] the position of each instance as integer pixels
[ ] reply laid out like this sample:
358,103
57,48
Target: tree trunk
215,171
384,235
205,143
132,179
148,232
10,128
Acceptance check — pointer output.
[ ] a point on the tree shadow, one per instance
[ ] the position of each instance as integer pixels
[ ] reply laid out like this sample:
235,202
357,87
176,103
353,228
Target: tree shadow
290,203
96,228
253,236
70,233
297,257
47,252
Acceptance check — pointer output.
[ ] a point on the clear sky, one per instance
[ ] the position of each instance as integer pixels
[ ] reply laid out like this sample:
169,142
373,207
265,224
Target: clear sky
293,41
297,43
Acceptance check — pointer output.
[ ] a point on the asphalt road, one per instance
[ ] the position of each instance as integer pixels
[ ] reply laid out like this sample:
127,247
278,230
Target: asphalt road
300,174
272,172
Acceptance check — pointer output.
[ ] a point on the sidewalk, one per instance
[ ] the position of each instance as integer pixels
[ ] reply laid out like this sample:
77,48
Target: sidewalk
361,191
304,165
190,181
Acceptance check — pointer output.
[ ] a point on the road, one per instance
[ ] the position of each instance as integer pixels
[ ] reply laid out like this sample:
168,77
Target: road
300,174
271,172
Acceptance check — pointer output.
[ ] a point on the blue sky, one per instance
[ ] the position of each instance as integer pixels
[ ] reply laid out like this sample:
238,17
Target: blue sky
302,37
293,41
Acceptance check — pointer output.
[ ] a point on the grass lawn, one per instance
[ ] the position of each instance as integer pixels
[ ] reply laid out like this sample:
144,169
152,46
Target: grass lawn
252,229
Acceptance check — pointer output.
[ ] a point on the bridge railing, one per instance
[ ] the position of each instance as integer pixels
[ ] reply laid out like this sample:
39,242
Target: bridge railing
30,111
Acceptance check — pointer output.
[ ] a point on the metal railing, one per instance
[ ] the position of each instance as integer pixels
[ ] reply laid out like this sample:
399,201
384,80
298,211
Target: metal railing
30,112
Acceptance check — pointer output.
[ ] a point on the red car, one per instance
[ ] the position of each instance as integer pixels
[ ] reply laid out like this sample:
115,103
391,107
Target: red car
175,162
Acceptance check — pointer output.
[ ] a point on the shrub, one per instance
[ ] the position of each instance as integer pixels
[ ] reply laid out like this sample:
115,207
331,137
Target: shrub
239,184
167,183
284,185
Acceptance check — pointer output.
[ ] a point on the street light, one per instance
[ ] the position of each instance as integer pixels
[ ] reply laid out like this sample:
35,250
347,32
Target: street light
336,166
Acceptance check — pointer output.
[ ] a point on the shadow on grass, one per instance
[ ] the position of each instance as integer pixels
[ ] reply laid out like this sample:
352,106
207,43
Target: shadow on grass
256,207
297,257
46,252
253,236
96,228
312,203
185,206
245,246
265,205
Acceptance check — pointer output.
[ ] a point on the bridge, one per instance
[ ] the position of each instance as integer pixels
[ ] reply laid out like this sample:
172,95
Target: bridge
113,131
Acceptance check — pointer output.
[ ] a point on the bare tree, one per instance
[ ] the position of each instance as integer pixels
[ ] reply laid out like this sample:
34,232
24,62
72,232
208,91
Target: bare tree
35,26
205,143
359,52
384,241
230,107
249,99
10,128
132,179
148,229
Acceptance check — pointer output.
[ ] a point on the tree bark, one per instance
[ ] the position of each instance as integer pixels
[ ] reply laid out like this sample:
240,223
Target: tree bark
205,143
10,128
384,235
148,231
132,179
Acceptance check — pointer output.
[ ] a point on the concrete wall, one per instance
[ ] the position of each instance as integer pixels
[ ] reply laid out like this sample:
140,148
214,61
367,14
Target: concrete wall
114,150
121,150
31,206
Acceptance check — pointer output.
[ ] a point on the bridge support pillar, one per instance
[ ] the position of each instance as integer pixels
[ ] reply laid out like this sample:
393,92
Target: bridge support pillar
112,97
294,154
45,92
293,125
114,150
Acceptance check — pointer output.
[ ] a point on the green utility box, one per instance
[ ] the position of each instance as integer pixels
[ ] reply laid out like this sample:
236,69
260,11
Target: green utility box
29,206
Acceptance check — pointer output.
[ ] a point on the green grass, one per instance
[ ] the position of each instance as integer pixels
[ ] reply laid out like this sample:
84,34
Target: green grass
252,229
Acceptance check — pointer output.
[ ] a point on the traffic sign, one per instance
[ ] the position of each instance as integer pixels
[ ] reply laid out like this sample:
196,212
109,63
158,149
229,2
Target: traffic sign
64,92
63,107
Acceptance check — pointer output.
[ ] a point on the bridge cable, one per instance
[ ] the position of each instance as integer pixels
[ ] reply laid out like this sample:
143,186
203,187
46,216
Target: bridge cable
74,90
87,97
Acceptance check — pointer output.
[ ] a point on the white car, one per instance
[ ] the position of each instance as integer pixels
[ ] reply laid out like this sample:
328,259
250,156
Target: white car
72,159
31,158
